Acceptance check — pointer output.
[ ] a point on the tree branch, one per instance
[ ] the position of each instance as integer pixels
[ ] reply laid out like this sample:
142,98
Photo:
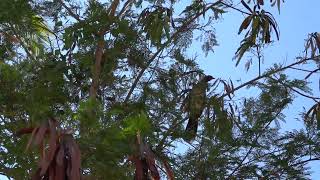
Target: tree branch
306,161
124,8
97,68
113,7
300,69
72,14
312,72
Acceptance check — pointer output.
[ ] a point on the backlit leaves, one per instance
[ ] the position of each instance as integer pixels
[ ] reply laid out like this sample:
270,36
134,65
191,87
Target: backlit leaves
312,45
139,122
156,23
277,3
262,25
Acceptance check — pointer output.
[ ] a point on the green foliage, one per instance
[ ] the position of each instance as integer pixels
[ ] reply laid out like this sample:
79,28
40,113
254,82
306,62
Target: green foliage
262,24
136,123
89,113
156,23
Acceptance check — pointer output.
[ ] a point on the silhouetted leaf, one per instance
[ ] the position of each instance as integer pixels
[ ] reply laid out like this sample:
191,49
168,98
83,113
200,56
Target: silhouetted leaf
245,23
246,6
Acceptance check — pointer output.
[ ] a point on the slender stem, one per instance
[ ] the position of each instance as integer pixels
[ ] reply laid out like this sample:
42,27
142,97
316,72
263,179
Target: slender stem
300,69
168,133
314,71
259,59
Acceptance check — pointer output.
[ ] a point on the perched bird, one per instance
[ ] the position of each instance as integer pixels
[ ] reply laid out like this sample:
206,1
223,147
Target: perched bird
194,105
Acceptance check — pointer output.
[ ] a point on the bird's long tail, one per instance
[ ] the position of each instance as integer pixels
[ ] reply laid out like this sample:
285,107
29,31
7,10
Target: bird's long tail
191,129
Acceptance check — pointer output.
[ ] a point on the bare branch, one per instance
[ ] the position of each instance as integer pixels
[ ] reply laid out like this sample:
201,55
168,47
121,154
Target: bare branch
312,72
300,69
97,68
113,7
72,14
124,8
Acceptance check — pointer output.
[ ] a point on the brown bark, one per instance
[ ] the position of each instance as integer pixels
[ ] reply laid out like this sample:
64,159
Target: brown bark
97,69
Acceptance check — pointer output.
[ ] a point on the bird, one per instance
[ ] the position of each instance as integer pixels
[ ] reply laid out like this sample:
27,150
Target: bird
194,105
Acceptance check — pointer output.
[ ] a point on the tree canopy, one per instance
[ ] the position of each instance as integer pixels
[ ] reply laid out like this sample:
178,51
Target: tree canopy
98,90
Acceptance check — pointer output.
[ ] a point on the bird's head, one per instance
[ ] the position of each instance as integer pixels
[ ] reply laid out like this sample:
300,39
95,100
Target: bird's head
208,78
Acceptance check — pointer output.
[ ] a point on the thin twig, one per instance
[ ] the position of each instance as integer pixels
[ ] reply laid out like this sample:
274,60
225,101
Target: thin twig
305,161
314,71
168,133
232,7
300,69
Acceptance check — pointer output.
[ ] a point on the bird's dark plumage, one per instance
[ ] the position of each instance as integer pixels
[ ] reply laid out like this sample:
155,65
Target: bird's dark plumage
195,103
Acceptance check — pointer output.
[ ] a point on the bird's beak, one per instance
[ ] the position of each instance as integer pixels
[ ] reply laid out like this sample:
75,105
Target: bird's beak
210,78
